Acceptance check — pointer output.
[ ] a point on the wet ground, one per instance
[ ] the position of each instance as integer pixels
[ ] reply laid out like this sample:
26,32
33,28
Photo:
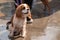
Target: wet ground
44,27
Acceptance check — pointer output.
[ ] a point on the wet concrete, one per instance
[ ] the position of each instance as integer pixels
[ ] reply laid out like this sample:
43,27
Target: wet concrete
44,27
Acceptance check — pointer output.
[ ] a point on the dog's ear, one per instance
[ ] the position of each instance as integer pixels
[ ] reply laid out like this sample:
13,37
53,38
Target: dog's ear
19,11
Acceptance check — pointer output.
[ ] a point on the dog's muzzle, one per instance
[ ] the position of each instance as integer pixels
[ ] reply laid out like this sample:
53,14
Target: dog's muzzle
25,11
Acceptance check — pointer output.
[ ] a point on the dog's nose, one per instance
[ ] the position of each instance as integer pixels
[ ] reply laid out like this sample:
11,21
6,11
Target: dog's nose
28,9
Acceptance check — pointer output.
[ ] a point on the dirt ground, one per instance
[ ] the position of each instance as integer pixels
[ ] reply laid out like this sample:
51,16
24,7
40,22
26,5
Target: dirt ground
44,26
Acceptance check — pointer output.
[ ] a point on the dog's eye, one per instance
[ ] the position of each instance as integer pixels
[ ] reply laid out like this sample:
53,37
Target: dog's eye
23,7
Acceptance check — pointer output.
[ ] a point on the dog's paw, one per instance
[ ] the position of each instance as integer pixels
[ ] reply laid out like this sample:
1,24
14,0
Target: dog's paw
23,36
10,37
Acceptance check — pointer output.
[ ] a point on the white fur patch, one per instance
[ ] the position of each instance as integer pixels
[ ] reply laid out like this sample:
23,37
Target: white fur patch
24,11
25,5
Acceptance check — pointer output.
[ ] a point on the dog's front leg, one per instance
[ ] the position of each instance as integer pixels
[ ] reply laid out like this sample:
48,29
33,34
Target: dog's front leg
24,31
24,28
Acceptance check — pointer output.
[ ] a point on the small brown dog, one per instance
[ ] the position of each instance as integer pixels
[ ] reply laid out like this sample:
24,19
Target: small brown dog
18,20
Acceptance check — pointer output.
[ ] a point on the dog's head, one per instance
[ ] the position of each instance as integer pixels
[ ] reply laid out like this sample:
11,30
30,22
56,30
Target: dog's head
22,9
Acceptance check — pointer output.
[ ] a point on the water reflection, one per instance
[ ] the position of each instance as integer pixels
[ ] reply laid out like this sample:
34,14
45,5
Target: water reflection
3,32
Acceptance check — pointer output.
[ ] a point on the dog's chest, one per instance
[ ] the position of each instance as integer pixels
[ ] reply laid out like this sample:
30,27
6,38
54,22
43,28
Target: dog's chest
18,22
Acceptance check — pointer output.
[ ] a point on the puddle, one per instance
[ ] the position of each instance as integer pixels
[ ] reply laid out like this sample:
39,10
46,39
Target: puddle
3,32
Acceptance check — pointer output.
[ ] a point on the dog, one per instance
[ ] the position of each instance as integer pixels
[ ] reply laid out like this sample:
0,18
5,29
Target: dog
18,21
